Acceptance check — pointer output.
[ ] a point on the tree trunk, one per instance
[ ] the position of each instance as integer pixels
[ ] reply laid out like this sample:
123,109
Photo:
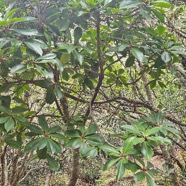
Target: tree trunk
48,178
75,168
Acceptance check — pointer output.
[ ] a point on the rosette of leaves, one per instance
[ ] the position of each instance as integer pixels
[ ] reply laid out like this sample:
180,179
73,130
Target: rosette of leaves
140,139
45,140
12,122
86,139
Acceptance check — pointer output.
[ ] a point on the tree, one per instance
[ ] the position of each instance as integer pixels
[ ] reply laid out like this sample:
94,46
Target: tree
71,70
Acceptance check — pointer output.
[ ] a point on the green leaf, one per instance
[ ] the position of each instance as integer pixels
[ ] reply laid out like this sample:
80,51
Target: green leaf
42,153
154,130
3,119
58,136
95,139
91,129
120,170
4,109
77,34
64,24
14,144
42,143
36,47
165,57
108,149
34,144
59,65
132,166
35,129
161,84
78,56
27,32
43,123
161,29
138,54
65,57
58,93
9,21
73,133
122,47
130,129
93,153
106,2
88,83
77,143
162,3
54,129
152,84
150,181
47,56
130,61
18,110
110,163
147,151
53,146
130,142
53,164
159,15
18,68
10,13
139,176
160,139
50,96
9,125
126,4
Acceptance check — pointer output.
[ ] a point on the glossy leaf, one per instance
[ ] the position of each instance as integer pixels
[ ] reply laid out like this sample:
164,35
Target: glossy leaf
77,34
139,176
147,151
120,170
130,142
162,3
110,163
106,2
131,129
18,68
165,56
126,4
53,146
154,130
150,181
3,119
43,123
36,47
138,54
9,125
54,129
34,144
53,164
91,129
108,149
27,32
159,15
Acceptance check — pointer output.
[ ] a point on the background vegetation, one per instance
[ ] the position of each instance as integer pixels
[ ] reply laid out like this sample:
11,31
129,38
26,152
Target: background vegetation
92,92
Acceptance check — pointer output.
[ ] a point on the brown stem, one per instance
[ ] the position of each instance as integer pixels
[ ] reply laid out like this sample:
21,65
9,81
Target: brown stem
100,61
48,178
14,167
3,165
75,168
146,86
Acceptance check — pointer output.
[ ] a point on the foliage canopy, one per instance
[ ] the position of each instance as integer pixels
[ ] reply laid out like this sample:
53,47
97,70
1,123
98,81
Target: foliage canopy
92,76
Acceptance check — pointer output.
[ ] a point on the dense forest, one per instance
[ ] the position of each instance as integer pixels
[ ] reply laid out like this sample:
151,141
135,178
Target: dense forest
92,92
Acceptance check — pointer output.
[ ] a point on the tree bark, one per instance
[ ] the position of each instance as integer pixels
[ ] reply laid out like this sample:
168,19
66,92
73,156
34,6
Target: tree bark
75,168
48,178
